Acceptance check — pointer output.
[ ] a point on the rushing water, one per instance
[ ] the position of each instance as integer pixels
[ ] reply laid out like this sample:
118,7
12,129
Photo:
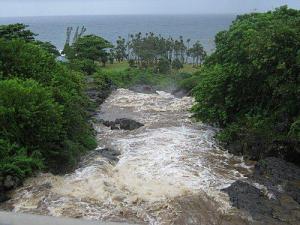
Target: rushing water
170,171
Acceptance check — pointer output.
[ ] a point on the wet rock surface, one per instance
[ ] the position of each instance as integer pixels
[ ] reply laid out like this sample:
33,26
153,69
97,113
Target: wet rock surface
271,194
255,147
7,183
179,93
171,171
122,124
110,154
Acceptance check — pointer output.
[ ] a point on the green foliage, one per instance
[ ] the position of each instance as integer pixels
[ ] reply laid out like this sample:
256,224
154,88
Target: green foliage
190,82
250,84
151,50
131,63
90,47
294,131
86,66
14,160
29,116
120,49
20,31
197,53
16,31
43,110
47,46
177,64
25,60
128,77
163,65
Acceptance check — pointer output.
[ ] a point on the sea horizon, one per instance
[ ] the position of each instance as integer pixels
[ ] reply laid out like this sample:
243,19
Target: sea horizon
197,27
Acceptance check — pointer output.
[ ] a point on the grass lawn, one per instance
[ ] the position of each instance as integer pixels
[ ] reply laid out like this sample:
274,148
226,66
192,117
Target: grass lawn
188,68
124,76
117,67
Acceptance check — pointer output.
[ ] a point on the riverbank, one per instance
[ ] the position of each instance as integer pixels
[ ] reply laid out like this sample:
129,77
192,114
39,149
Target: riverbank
156,171
270,195
168,171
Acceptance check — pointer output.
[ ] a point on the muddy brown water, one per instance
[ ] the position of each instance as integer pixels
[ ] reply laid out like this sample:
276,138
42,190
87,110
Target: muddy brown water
171,171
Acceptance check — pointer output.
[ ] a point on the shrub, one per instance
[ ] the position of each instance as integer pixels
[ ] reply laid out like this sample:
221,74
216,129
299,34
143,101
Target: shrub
163,66
63,109
177,64
251,82
30,117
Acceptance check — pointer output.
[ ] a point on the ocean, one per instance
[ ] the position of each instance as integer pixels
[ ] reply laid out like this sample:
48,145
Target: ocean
195,27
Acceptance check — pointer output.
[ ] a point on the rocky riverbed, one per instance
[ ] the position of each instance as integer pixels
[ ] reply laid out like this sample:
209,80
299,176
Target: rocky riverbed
163,169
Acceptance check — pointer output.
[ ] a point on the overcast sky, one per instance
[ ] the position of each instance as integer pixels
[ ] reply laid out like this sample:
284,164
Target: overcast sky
104,7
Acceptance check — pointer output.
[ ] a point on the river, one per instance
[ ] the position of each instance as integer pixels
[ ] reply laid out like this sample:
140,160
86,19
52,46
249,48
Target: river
170,171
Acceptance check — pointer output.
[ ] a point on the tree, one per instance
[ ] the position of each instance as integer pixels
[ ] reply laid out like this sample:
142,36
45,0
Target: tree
91,47
16,31
163,65
112,56
30,117
120,49
50,48
20,31
177,64
251,85
198,53
23,60
148,50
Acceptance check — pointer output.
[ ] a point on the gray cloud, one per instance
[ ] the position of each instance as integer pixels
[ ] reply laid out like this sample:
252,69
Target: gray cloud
102,7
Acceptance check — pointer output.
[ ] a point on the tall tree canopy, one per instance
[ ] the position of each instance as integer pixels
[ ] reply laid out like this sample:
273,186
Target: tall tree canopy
16,31
251,84
91,47
43,109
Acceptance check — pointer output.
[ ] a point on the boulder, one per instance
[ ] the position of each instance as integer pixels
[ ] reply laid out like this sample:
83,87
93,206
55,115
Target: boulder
123,124
271,194
110,154
9,182
128,124
180,93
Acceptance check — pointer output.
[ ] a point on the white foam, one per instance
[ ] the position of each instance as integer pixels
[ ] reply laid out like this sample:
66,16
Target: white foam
169,157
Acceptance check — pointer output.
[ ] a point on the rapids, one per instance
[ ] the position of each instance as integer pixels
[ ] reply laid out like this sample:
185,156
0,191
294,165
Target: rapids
171,171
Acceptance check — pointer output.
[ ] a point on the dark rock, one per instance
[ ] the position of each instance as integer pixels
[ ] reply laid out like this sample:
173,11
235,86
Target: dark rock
256,147
128,124
110,154
276,169
124,124
179,93
108,123
9,182
293,189
115,127
247,197
3,196
278,201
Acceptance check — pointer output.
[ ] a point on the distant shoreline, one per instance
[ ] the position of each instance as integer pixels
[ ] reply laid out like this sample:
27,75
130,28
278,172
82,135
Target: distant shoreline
113,15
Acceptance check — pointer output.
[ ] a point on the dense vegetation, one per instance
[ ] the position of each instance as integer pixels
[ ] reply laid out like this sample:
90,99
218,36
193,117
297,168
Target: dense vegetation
153,51
43,108
148,60
250,85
